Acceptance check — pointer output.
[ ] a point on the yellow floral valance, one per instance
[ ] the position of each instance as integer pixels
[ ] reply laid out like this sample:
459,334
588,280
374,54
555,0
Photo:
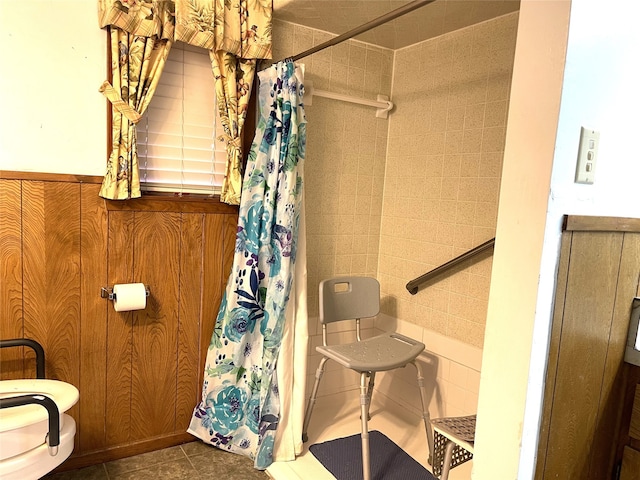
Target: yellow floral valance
236,33
240,27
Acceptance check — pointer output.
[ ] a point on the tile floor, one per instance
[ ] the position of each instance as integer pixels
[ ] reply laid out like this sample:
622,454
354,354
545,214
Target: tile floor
339,416
191,461
332,418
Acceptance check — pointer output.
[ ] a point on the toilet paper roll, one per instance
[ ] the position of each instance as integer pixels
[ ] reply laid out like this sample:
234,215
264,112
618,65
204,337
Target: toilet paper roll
129,296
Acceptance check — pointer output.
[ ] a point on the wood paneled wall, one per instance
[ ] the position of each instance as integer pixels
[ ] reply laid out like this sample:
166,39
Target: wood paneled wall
630,439
139,373
598,277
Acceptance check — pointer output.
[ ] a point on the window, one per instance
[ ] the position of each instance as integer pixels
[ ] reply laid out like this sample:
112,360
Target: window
178,146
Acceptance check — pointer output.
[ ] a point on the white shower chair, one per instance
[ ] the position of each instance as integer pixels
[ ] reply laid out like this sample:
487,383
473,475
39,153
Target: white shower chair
353,298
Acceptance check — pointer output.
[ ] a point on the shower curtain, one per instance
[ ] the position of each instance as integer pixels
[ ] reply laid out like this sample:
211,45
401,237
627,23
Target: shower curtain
240,406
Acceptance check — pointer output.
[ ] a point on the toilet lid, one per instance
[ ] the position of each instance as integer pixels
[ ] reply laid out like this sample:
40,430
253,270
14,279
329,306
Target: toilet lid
64,394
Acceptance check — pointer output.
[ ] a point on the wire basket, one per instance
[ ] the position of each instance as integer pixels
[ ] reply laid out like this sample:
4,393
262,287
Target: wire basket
463,428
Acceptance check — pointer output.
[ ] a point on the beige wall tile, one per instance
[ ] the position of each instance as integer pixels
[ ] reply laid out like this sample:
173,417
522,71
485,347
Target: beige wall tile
394,198
346,155
472,140
340,54
474,116
464,78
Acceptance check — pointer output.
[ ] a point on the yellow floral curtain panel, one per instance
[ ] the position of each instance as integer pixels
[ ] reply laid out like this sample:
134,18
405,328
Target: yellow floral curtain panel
136,64
233,89
236,34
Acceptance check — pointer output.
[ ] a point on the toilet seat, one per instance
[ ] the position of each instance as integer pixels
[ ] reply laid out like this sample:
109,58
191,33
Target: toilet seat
64,394
24,428
37,462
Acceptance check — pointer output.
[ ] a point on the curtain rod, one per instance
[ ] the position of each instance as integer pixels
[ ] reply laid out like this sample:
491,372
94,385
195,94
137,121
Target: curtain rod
387,17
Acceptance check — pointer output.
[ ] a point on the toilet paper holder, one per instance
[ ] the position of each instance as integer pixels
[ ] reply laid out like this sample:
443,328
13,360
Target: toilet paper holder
106,292
632,350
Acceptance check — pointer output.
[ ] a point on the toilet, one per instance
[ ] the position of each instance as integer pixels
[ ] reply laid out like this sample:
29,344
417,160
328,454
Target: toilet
24,451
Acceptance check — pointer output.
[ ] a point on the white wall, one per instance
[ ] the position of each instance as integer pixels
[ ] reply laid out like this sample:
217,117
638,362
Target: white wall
53,61
601,92
451,369
529,150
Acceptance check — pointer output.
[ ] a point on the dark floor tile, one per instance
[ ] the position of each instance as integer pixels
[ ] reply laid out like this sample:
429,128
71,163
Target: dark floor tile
191,461
174,470
94,472
221,468
193,449
213,463
144,460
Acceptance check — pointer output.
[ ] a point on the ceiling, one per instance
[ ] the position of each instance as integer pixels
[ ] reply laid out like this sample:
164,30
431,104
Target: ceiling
429,21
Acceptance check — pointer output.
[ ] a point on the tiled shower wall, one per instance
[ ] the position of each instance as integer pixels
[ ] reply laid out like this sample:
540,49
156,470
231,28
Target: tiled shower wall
344,171
346,153
444,163
396,212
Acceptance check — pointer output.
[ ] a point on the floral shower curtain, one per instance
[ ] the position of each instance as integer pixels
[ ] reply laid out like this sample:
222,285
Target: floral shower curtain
239,408
237,32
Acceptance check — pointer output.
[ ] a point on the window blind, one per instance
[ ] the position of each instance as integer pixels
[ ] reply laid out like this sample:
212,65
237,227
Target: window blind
178,146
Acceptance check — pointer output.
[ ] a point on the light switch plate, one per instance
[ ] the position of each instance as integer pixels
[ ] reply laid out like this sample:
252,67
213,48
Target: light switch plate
587,155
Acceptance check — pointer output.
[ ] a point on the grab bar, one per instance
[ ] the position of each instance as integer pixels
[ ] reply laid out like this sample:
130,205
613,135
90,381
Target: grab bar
413,285
53,437
27,342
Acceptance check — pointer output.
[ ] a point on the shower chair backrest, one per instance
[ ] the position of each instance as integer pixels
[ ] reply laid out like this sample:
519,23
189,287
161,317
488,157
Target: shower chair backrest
348,298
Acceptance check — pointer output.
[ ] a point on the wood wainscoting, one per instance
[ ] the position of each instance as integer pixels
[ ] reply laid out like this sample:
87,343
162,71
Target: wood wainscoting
139,373
584,425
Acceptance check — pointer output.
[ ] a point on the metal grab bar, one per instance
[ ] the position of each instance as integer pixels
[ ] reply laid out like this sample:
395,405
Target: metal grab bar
413,285
53,437
27,342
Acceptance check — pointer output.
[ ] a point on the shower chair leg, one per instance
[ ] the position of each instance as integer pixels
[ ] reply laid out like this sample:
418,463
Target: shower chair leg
425,410
312,399
372,381
364,412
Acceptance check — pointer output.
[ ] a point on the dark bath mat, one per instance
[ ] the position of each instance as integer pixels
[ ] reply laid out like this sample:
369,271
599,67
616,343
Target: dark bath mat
343,458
